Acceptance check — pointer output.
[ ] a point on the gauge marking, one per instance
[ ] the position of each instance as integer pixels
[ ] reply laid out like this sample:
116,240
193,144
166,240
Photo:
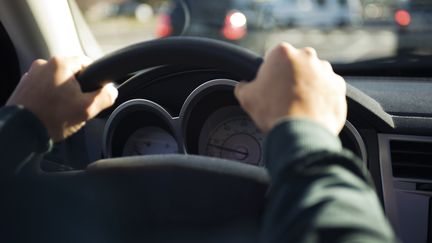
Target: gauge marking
228,149
229,133
233,137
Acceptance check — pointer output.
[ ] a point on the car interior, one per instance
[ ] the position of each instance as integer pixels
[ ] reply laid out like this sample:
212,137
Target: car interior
163,164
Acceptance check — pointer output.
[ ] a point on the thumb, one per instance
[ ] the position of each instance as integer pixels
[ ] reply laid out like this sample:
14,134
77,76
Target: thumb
101,99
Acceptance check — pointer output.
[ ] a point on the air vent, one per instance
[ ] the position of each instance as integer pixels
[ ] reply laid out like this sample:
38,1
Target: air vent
411,159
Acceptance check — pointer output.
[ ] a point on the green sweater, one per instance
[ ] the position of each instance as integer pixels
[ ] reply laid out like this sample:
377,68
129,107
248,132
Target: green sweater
319,192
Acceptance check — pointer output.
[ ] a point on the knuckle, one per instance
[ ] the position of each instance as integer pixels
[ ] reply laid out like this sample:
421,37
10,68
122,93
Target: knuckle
87,113
110,99
110,94
326,64
38,63
311,52
56,62
239,90
243,95
282,52
340,78
283,49
341,82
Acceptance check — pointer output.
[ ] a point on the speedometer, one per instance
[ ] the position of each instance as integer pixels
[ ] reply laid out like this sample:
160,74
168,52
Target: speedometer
150,140
232,137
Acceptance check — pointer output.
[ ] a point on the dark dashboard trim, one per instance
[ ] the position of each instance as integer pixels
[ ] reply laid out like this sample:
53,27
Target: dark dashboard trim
358,100
410,125
406,100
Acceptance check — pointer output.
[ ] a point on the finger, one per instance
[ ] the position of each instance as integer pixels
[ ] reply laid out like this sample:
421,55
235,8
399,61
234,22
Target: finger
78,63
288,46
326,65
282,49
310,51
243,94
69,65
37,64
239,89
84,61
342,82
100,100
24,75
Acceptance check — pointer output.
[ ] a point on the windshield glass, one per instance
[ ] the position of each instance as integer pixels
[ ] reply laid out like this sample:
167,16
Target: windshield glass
342,31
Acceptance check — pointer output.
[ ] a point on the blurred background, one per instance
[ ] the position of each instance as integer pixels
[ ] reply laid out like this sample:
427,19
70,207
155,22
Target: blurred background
342,31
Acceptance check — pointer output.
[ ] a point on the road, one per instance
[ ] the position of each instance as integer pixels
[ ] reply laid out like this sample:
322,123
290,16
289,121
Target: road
337,45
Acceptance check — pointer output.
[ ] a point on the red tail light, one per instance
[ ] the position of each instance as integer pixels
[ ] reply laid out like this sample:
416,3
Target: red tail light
235,26
402,18
163,26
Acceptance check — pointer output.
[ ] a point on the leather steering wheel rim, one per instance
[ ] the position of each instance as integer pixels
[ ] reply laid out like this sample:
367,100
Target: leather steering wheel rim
193,51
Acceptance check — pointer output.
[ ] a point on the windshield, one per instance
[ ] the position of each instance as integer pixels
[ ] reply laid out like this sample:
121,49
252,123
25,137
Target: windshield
342,31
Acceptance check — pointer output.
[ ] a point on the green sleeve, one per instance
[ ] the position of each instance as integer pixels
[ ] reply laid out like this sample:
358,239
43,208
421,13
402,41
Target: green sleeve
319,192
22,135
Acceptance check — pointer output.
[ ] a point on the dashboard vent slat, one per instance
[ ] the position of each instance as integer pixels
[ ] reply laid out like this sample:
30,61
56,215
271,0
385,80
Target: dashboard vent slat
411,159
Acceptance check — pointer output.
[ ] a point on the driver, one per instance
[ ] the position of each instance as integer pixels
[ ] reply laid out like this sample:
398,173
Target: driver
319,192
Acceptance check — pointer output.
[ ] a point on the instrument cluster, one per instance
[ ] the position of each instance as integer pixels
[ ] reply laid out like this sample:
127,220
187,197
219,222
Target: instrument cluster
210,123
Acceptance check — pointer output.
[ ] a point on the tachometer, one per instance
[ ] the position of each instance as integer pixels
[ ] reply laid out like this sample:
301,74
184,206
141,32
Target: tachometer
232,137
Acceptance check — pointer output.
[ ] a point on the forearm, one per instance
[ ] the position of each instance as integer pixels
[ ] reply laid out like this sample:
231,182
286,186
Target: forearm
319,192
22,135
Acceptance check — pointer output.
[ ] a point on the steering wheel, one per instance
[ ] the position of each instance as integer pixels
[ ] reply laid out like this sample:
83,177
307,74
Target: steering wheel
144,197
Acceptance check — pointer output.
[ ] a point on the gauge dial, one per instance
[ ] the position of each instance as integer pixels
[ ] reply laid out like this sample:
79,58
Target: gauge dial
150,140
235,138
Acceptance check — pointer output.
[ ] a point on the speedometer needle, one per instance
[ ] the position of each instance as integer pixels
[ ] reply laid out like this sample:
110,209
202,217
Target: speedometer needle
229,149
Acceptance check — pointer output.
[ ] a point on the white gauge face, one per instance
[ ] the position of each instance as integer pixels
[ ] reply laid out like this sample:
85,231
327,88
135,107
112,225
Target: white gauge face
150,140
235,138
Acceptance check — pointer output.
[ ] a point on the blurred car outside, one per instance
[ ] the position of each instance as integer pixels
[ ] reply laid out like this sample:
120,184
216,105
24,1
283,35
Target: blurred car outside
413,20
241,22
317,13
377,13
